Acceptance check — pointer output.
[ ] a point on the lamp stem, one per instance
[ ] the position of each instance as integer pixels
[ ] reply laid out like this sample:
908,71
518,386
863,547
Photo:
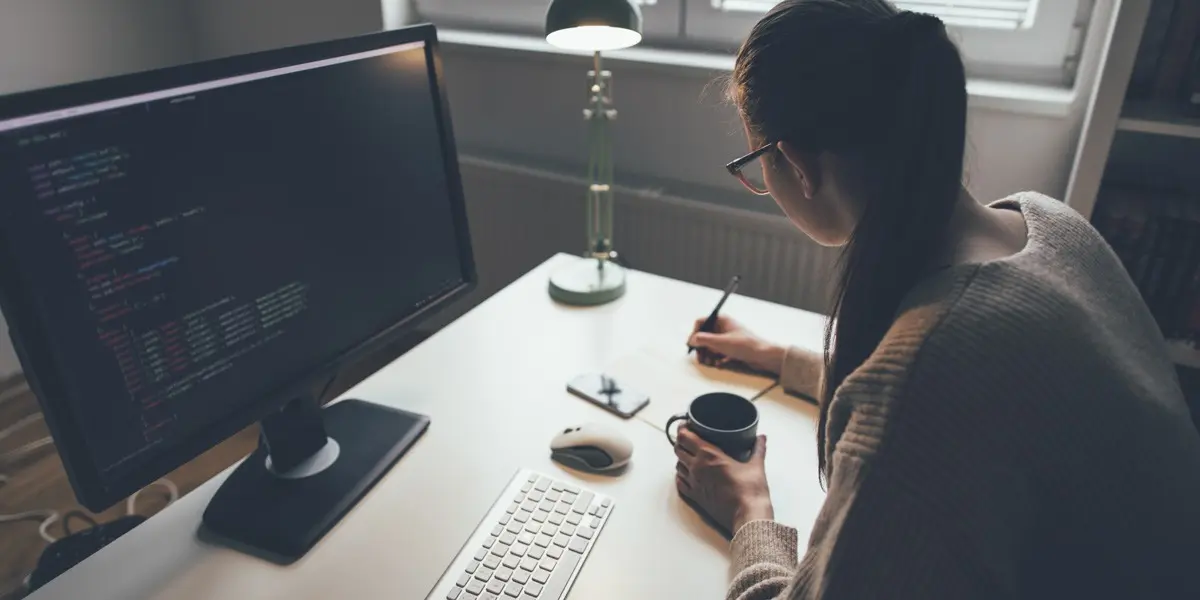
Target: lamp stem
600,163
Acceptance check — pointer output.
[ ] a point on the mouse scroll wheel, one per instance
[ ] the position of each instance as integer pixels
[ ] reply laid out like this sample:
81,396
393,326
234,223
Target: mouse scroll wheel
568,430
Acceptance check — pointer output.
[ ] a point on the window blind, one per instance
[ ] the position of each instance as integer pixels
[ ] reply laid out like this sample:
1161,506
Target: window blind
984,14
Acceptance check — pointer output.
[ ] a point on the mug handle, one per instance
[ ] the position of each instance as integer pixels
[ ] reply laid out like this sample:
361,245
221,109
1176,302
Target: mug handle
667,429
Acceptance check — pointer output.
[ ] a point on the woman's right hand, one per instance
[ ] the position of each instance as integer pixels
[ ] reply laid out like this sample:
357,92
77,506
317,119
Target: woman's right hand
731,342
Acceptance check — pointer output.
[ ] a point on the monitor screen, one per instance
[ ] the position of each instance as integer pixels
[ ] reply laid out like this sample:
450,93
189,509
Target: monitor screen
189,250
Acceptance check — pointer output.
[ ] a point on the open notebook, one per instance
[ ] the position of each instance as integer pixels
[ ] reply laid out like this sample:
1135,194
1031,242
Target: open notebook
674,379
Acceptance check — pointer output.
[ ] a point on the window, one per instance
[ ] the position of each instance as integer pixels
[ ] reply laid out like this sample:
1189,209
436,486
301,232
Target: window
1034,41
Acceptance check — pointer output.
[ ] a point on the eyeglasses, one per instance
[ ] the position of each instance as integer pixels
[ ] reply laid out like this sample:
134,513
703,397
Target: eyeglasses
756,184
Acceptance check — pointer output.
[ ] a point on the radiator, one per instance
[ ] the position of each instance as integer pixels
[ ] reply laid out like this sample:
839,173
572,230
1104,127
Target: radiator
520,216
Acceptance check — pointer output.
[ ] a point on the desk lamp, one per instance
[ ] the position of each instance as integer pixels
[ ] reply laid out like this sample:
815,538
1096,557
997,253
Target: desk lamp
595,26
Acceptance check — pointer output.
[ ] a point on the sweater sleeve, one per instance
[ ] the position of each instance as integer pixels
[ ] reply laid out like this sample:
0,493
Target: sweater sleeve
764,561
801,372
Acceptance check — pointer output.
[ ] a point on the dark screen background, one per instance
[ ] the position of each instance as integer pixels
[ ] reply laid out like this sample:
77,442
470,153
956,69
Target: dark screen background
188,255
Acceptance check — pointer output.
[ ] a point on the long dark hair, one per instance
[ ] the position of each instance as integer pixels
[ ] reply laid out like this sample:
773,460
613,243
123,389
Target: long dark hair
884,92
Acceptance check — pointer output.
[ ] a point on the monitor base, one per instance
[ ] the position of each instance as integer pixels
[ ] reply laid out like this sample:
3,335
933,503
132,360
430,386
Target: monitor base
279,515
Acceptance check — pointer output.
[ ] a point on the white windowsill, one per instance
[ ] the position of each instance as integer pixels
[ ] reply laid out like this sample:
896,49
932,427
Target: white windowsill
1026,99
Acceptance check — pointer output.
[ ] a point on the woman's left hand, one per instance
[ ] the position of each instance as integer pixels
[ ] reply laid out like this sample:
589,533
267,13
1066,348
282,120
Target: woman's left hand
730,492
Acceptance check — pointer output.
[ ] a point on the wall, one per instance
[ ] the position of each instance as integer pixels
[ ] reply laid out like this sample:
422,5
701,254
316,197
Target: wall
52,42
227,27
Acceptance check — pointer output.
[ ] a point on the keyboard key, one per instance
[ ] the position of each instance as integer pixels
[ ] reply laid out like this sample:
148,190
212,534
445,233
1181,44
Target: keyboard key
504,573
488,542
533,477
533,589
571,488
562,540
558,582
497,530
504,519
514,527
541,576
568,497
464,580
542,540
521,576
495,586
582,502
557,486
606,502
453,595
499,550
525,538
578,545
574,518
511,561
483,574
475,587
585,532
554,552
603,511
512,589
492,561
489,596
595,522
594,510
540,516
562,508
529,504
512,508
535,552
522,516
552,495
547,505
519,550
549,529
547,563
543,484
534,496
567,529
481,553
475,565
533,527
507,539
528,564
555,518
525,488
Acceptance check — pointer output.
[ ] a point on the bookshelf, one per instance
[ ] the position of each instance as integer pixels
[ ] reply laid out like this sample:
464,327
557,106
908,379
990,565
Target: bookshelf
1158,118
1133,135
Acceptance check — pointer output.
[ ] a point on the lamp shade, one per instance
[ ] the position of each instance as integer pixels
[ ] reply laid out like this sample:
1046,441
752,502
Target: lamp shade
593,25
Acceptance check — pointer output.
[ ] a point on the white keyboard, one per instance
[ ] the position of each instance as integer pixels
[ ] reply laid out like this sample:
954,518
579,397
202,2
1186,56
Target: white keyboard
530,546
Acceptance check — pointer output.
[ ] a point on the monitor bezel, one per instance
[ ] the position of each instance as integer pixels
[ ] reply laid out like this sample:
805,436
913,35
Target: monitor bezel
27,330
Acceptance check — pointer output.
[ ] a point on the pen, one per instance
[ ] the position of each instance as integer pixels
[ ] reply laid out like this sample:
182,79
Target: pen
711,321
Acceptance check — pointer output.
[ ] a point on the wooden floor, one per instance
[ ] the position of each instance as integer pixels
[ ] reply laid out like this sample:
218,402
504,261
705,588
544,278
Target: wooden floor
37,480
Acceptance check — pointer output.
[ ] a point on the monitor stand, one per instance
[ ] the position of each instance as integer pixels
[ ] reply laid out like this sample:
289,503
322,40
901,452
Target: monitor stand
311,467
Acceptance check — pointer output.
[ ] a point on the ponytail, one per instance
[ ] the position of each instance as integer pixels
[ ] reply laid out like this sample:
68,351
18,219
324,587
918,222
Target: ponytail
917,175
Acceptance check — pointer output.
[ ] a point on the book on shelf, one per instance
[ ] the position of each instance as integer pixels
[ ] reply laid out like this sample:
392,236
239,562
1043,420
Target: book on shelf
1156,235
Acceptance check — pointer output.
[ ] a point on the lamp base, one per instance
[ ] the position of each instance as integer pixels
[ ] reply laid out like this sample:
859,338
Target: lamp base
588,282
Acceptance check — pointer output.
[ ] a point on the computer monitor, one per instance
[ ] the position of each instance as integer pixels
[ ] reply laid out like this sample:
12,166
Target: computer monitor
187,251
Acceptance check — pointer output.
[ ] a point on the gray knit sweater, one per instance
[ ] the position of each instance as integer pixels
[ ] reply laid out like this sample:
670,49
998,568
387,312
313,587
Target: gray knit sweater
1019,433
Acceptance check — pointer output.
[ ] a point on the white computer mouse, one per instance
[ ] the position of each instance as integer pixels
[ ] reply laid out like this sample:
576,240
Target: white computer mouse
591,447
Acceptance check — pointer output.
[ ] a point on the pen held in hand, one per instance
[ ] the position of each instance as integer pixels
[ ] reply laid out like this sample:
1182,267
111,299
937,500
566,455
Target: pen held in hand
711,322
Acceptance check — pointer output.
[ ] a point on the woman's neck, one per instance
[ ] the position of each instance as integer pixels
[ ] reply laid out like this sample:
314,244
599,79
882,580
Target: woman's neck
978,233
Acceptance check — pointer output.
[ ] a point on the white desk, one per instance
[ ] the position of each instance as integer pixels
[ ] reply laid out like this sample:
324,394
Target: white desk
493,383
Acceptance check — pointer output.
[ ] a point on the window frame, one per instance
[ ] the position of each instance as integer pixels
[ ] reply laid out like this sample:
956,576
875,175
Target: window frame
1047,53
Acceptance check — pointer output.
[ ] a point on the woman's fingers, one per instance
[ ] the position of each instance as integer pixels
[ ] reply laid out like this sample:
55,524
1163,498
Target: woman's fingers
686,441
682,470
682,485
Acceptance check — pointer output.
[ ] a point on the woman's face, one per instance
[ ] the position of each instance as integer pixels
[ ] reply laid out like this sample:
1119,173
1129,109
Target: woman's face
806,190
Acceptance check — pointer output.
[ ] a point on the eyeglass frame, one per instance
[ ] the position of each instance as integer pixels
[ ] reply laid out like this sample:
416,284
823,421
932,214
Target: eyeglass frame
735,168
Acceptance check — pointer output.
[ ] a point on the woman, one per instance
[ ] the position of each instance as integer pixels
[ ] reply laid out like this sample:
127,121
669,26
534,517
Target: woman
998,416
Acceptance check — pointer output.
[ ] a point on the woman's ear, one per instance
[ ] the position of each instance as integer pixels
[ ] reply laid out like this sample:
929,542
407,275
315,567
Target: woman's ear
806,166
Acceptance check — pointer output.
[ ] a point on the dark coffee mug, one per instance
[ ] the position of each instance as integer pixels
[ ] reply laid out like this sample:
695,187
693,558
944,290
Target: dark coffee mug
727,421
